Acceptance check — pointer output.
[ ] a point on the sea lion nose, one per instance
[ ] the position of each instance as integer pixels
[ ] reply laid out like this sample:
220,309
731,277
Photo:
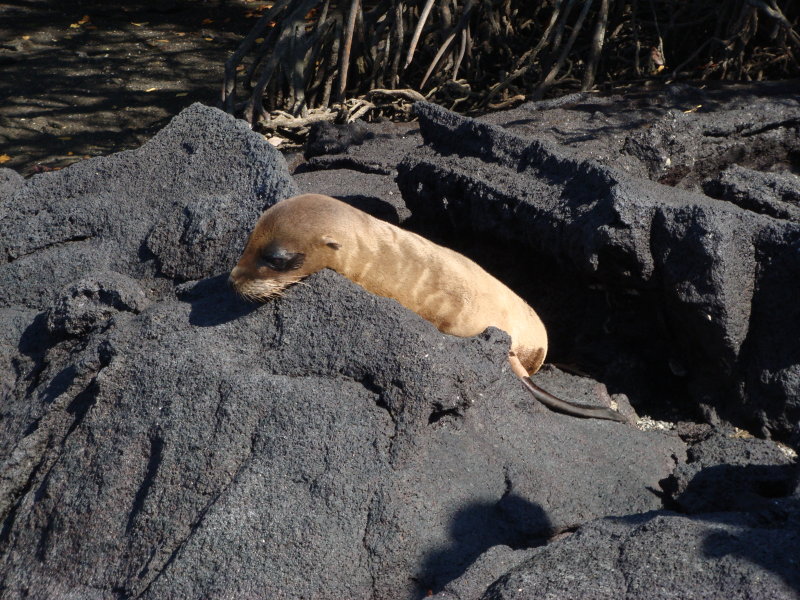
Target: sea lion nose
235,275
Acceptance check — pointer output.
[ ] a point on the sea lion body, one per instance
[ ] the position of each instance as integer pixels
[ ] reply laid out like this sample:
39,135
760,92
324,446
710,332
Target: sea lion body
440,285
305,234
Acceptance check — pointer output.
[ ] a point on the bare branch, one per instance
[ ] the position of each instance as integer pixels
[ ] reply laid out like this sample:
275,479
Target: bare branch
344,62
548,80
597,47
417,32
229,84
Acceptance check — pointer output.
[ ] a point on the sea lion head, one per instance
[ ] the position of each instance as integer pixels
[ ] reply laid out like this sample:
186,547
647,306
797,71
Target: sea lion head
291,240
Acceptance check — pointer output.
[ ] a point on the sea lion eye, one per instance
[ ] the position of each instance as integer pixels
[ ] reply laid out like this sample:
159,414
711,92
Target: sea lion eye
280,259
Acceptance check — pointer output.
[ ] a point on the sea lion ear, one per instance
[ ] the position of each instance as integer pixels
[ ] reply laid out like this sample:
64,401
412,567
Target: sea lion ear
330,242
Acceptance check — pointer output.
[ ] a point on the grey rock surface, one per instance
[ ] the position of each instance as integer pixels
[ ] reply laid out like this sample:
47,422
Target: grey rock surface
325,137
732,474
707,271
90,302
678,135
195,444
180,206
664,555
161,438
686,146
9,181
376,194
487,568
740,541
377,153
774,194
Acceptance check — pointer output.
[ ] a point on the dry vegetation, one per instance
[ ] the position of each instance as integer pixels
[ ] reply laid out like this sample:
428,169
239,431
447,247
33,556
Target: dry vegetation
308,60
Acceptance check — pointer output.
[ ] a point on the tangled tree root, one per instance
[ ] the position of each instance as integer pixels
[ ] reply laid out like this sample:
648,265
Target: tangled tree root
310,60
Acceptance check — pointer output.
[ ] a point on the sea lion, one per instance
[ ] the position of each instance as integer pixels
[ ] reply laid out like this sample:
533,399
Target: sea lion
305,234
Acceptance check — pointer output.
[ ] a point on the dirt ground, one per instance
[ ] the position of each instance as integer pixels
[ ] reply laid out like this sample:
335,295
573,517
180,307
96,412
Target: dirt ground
87,78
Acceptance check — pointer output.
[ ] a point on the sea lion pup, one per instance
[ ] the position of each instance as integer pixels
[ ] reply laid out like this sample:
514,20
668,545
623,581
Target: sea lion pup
305,234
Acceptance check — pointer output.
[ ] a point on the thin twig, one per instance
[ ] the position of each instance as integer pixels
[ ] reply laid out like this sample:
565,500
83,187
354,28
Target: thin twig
406,94
461,50
597,47
548,80
254,109
528,60
417,32
332,66
344,62
282,120
445,45
229,84
398,43
462,22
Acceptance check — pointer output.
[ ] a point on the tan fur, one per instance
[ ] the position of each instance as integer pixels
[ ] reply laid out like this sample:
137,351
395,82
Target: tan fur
440,285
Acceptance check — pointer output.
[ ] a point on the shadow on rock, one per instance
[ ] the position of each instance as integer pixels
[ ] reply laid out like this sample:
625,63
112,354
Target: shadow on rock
737,488
36,338
661,554
772,545
476,528
768,532
213,302
373,206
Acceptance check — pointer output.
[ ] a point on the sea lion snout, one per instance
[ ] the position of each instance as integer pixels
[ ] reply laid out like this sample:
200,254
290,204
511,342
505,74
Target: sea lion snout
259,290
238,278
252,287
234,276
